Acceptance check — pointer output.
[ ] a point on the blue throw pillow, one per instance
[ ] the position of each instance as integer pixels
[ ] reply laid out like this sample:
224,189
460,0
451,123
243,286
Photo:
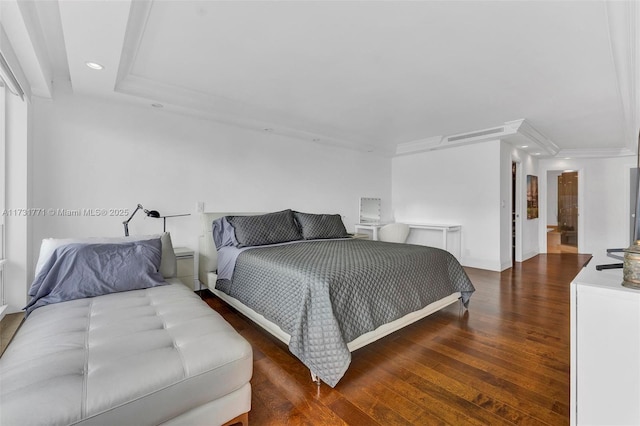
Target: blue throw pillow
76,271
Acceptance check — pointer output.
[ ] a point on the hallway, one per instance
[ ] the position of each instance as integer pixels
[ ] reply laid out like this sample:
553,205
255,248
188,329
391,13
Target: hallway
559,242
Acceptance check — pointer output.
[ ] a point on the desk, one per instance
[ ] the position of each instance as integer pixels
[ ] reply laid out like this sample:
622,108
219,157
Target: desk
444,228
373,227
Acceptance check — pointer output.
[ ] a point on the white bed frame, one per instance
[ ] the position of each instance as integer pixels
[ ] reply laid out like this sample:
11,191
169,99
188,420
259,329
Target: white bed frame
208,258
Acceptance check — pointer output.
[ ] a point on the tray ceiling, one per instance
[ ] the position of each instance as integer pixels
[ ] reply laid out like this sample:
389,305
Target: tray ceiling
373,76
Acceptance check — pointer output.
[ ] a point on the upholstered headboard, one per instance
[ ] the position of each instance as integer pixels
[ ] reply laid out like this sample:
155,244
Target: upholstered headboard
208,256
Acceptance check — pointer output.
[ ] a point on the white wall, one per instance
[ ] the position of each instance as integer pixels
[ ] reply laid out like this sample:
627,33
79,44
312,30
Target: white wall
604,205
471,186
552,197
506,178
505,206
527,228
458,185
92,154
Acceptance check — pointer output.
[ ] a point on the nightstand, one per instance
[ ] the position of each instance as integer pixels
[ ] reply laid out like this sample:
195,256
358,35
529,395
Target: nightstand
184,260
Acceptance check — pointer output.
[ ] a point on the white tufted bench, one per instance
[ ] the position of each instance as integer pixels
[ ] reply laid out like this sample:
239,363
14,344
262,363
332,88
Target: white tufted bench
141,357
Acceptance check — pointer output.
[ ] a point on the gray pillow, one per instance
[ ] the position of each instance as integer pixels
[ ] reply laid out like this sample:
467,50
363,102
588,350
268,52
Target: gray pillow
270,228
318,226
223,233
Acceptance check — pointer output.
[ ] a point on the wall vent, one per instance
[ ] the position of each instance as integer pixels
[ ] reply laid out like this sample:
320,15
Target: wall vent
475,134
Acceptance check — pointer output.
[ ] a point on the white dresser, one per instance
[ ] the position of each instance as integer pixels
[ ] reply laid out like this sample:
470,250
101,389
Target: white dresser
605,348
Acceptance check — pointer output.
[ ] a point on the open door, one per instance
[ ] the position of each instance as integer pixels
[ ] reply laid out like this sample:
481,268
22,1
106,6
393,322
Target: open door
513,212
516,224
562,235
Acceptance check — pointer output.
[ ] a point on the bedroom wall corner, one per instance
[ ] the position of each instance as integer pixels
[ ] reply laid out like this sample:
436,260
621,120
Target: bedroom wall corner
459,185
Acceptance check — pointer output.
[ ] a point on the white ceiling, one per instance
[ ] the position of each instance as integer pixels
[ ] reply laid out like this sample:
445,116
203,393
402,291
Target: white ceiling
385,76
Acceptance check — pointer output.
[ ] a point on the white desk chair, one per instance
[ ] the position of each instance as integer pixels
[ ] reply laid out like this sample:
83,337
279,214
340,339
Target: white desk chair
394,233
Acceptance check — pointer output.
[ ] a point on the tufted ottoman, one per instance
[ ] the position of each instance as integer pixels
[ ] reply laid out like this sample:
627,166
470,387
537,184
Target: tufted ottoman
141,357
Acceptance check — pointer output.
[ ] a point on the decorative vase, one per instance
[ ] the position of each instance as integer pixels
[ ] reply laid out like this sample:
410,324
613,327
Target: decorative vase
631,266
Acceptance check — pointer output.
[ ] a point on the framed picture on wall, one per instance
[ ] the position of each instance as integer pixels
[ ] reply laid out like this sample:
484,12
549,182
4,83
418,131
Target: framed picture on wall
532,197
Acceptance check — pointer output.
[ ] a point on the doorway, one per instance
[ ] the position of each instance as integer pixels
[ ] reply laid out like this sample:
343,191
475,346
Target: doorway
513,212
562,213
516,224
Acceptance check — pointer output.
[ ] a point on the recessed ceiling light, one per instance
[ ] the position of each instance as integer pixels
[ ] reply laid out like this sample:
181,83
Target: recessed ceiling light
567,158
94,65
157,105
536,153
524,146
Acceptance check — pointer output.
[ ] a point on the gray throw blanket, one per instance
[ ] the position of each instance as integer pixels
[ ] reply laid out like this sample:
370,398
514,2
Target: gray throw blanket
327,293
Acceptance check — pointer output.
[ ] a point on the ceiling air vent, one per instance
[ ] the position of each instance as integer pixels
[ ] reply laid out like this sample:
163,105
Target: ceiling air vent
475,134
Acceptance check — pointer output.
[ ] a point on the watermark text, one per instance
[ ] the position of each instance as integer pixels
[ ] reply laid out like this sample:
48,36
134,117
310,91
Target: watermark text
83,212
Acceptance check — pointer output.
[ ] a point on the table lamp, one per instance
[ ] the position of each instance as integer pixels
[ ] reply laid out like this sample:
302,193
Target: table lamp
149,213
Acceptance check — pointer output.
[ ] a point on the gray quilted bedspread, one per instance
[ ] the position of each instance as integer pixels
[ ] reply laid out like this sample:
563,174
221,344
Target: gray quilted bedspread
327,293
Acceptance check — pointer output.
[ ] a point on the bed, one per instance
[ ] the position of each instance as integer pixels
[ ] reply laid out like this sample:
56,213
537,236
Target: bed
302,278
111,337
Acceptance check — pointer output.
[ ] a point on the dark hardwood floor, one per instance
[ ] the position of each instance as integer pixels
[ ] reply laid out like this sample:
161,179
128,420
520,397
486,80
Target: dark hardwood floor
504,361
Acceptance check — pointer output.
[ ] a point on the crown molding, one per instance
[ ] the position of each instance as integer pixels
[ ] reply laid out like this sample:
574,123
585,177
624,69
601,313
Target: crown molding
41,60
517,132
595,153
218,108
199,105
419,145
10,70
532,136
136,26
623,20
